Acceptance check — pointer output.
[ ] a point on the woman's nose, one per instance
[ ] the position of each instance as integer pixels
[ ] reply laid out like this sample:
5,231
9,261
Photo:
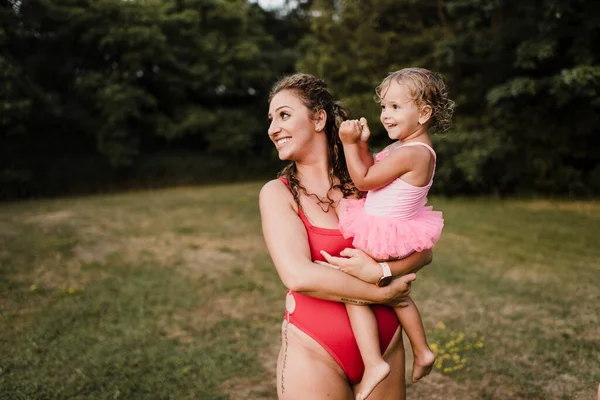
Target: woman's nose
273,128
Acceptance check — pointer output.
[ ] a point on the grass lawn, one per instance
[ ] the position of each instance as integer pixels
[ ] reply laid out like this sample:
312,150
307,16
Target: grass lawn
171,294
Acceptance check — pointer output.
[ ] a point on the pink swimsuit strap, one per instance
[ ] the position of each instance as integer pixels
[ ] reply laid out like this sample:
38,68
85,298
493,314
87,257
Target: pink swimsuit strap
384,153
428,147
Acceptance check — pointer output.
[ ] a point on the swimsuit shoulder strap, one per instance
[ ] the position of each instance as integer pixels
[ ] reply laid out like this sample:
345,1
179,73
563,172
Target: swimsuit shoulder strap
430,150
300,210
424,145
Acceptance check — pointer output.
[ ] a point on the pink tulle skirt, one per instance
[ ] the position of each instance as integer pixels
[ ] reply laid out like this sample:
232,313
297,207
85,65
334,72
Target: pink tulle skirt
386,237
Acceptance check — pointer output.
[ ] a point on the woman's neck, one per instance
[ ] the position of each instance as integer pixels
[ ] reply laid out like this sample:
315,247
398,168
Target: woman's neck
314,174
314,178
313,165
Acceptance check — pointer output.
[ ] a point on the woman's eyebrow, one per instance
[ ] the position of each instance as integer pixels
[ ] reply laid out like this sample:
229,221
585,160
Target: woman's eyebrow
279,108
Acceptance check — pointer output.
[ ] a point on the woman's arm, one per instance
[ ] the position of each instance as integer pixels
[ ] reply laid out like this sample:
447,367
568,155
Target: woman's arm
287,242
360,265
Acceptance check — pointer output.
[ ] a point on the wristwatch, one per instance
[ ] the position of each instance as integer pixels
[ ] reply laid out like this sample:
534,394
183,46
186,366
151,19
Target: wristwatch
387,277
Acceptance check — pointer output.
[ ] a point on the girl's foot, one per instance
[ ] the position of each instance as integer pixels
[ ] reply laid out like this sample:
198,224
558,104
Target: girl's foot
371,378
422,365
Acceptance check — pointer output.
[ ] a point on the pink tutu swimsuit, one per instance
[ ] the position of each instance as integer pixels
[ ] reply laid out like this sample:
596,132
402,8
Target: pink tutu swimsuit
392,221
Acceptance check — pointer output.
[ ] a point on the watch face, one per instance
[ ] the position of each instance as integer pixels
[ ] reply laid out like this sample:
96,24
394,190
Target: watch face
384,281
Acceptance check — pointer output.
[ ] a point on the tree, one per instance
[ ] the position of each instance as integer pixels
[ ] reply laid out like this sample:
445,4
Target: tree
117,79
523,73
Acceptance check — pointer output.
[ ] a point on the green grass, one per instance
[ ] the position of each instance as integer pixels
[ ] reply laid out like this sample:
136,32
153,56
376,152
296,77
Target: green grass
171,294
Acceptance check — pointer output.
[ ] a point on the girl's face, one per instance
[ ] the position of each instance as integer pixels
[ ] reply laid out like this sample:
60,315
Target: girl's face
399,112
292,127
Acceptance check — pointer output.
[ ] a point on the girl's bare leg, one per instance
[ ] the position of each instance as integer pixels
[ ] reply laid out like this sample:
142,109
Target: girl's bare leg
364,326
394,386
423,356
306,371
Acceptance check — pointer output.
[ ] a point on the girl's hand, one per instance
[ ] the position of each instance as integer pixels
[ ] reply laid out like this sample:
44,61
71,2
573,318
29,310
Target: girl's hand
350,131
355,262
365,131
398,291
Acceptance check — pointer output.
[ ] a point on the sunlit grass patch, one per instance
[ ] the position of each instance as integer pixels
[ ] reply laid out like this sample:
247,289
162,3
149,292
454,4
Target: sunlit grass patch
172,294
453,349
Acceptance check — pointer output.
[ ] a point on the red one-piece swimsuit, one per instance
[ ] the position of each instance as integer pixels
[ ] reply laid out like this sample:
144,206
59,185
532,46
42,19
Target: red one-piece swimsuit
327,321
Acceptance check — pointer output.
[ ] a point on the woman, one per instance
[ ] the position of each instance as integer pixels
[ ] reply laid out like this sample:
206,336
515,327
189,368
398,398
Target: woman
319,358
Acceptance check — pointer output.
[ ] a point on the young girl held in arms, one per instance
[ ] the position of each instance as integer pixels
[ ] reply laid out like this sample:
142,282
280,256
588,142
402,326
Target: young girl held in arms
392,221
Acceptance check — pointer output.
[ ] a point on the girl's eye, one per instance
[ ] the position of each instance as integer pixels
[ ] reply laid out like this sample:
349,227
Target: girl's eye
396,107
382,107
284,115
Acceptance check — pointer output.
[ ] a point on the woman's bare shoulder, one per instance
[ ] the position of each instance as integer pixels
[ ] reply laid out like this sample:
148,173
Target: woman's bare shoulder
275,191
273,186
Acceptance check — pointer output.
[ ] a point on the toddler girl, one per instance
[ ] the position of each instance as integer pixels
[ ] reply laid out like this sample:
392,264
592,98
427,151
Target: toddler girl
392,221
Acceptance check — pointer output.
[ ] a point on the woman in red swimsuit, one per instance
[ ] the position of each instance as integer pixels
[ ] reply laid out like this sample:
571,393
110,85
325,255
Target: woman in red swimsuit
319,357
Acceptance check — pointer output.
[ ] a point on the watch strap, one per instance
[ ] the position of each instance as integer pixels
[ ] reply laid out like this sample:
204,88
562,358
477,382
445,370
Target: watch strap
386,276
385,268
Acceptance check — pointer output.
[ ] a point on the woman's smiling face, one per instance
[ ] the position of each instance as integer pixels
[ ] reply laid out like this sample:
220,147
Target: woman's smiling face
292,127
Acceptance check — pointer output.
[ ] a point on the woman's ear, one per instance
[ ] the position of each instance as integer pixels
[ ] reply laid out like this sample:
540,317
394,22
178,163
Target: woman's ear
425,114
320,120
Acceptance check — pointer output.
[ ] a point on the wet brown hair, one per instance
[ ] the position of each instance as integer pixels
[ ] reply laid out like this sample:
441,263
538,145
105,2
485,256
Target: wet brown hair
427,88
315,95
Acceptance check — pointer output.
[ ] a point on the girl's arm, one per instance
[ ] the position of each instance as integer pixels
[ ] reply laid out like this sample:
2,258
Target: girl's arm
366,156
372,176
287,242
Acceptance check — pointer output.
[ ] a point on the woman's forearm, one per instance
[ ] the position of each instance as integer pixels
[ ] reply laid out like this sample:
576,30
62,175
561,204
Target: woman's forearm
330,284
359,264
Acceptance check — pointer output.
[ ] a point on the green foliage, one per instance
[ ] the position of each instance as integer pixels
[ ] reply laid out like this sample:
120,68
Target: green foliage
115,81
524,76
123,78
14,105
468,156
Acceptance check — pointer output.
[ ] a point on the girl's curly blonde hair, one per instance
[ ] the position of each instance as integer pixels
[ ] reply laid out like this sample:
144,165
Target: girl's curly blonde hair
427,88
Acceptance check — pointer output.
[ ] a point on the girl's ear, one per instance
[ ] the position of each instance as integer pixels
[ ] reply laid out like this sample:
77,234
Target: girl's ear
320,120
425,114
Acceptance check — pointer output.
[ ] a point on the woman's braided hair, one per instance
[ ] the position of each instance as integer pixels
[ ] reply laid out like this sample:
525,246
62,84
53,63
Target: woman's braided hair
315,96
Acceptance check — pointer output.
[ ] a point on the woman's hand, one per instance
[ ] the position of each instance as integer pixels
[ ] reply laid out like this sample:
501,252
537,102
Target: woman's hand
355,262
398,291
